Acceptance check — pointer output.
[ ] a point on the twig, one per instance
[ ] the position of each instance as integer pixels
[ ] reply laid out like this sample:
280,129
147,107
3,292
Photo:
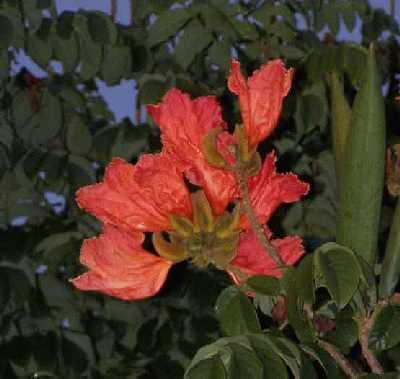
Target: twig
252,218
339,358
114,8
365,326
393,8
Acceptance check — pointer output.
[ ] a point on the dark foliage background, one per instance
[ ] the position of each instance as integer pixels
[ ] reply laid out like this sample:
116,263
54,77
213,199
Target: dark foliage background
57,134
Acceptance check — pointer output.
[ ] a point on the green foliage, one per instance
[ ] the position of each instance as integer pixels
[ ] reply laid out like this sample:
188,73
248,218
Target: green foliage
337,269
233,301
391,263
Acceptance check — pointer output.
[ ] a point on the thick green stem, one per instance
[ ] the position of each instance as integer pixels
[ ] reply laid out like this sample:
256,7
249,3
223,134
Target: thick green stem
252,218
391,263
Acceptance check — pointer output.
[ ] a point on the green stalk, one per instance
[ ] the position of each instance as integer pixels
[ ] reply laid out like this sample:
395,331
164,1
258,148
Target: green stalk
340,125
391,263
363,169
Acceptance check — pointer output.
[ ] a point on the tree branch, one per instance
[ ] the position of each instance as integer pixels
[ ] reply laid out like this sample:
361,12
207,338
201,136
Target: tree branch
365,326
114,8
339,358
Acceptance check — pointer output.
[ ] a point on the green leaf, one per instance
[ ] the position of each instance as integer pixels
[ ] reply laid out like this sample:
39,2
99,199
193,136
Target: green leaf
90,51
103,142
79,344
73,99
265,285
40,46
236,313
79,138
66,50
274,368
236,355
295,307
363,179
388,375
130,141
212,368
330,367
50,117
101,28
25,120
390,271
308,370
287,351
6,133
80,172
305,280
33,14
167,24
339,270
7,31
245,363
385,332
91,56
54,241
353,60
220,54
4,63
43,4
345,334
194,40
116,64
152,88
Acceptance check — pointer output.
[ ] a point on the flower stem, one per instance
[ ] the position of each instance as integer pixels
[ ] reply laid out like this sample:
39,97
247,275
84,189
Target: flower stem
252,218
339,358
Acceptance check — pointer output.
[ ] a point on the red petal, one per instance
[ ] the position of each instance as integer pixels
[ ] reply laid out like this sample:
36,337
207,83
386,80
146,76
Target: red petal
120,267
141,196
261,97
252,259
183,123
268,190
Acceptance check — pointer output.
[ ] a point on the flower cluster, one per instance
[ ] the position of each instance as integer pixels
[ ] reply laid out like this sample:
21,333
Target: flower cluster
151,196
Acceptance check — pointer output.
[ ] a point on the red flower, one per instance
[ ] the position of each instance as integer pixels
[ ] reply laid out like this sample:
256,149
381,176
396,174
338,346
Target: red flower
133,199
252,259
138,197
260,97
120,267
268,190
184,123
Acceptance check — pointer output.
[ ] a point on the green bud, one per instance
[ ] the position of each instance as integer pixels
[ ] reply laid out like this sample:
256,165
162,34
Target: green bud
210,150
173,251
203,218
182,226
228,223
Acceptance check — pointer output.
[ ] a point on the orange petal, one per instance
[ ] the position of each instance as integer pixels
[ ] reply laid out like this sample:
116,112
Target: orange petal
184,123
118,266
261,97
268,190
141,196
252,259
